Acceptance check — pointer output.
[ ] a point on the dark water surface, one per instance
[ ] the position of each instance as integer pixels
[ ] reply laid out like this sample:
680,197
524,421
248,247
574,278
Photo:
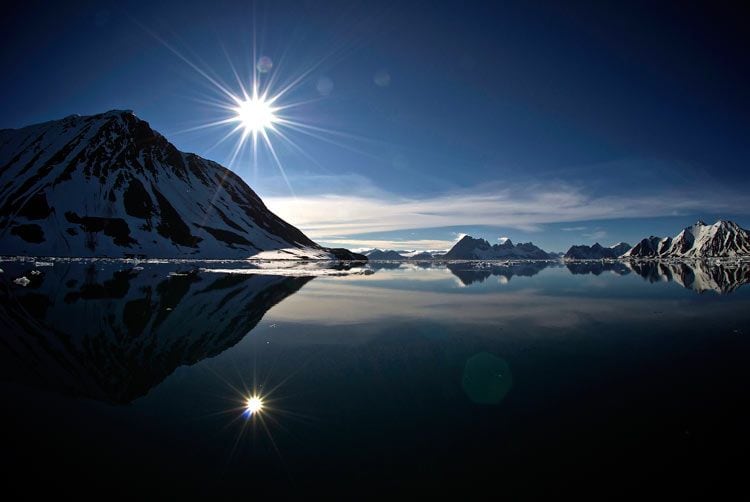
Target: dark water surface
527,379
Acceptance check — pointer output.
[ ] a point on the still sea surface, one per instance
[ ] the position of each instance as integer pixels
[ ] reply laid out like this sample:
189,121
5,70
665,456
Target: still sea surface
522,378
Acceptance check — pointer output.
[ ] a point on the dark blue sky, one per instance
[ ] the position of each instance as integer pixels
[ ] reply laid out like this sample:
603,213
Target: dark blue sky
561,123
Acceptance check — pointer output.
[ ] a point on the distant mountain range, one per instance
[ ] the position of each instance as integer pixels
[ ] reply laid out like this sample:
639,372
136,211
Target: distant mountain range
391,255
109,185
426,255
469,248
723,239
380,255
596,252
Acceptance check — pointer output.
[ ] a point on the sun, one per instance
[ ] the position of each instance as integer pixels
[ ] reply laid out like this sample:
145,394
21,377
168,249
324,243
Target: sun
253,404
256,115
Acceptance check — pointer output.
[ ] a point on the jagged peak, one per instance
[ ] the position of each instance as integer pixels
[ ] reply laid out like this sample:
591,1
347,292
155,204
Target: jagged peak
718,224
117,113
469,239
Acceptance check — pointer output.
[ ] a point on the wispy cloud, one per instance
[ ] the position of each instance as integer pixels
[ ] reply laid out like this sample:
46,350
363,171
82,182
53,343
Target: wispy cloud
330,217
395,244
595,235
573,229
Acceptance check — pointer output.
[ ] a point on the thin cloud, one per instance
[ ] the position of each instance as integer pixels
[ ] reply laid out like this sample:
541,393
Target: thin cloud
525,207
396,245
595,235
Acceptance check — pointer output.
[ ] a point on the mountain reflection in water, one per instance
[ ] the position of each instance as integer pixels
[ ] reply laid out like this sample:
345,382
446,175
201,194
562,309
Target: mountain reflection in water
111,333
698,276
471,272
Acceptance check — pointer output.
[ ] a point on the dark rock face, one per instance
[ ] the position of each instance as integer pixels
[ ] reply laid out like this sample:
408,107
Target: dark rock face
137,201
116,228
469,248
109,185
621,248
648,247
29,232
346,255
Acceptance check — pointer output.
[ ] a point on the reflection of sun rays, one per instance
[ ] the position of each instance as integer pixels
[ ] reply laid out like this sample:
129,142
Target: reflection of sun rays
258,406
259,110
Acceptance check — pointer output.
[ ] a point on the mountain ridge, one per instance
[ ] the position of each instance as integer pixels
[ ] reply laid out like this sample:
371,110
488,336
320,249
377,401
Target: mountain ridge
469,248
109,185
596,251
723,239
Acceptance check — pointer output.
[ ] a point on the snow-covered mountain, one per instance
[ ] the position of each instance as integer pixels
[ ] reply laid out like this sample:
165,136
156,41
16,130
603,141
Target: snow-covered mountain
469,248
722,239
379,254
596,252
109,185
111,333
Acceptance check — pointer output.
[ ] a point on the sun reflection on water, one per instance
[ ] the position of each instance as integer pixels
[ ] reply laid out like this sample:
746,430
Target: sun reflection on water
253,404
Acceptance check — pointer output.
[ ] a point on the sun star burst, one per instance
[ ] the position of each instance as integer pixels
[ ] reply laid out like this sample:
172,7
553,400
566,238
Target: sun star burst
256,115
253,404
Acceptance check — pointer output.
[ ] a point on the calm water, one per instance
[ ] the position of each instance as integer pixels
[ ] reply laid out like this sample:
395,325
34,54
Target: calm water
528,378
